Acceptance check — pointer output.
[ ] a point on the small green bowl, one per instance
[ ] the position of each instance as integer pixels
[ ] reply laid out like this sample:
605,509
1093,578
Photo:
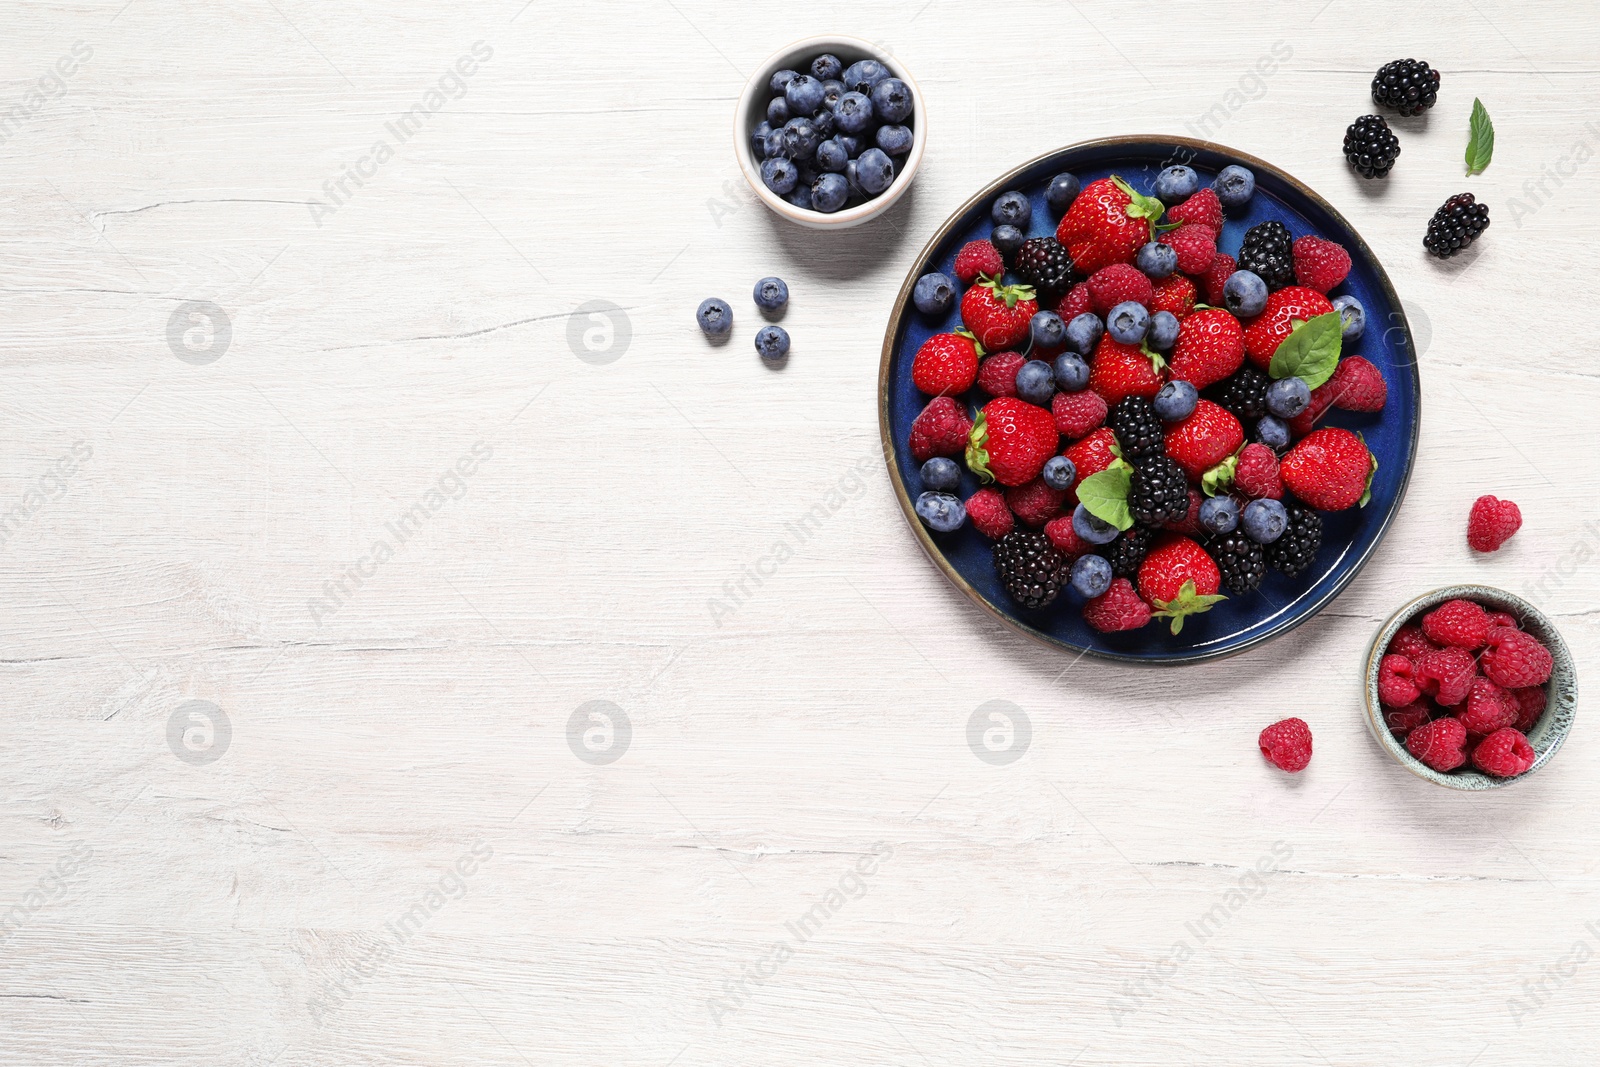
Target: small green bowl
1562,689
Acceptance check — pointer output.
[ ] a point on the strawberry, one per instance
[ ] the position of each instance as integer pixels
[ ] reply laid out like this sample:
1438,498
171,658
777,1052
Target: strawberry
946,363
1119,371
1179,579
998,314
1207,437
1257,477
1358,385
1078,413
1089,456
989,514
1110,286
1075,303
997,374
1210,347
941,430
1329,469
1105,225
1011,441
1174,293
1320,264
1202,208
975,258
1035,503
1216,276
1196,246
1118,608
1277,319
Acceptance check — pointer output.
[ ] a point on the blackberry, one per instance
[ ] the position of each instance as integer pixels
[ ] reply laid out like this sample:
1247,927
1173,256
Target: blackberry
1240,561
1245,394
1370,146
1158,492
1409,86
1267,252
1455,225
1297,548
1045,264
1031,568
1137,427
1128,551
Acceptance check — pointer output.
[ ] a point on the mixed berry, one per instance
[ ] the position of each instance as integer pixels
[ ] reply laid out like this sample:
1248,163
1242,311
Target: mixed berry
1141,411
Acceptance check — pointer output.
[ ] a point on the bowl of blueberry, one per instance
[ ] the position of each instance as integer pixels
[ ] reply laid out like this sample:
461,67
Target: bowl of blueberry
829,132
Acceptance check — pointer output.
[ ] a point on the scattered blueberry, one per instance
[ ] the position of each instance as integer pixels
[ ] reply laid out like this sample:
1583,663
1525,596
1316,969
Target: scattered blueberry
1264,521
1036,382
780,175
825,67
1091,529
853,113
1176,184
780,81
1083,333
771,294
1091,575
715,317
1234,186
1352,316
1157,260
1008,239
895,140
941,512
1163,331
1244,293
778,111
831,156
772,342
804,95
1013,209
1047,330
1288,397
1272,432
863,75
1219,514
891,100
803,138
1072,373
934,293
1062,191
1128,322
1176,400
941,474
875,171
832,90
1059,473
829,193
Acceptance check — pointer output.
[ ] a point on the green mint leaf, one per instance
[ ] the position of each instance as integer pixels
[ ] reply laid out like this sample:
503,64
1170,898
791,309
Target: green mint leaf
1480,148
977,454
1105,495
1311,351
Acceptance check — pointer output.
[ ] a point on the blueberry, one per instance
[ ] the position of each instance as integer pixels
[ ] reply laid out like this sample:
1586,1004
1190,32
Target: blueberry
895,140
832,90
772,342
831,156
1264,521
1083,333
1047,330
804,95
1219,514
1036,382
1352,316
941,512
780,175
941,474
808,172
853,113
934,293
800,196
891,100
829,193
851,145
803,138
1176,184
758,138
777,144
778,111
1244,293
825,67
1288,397
1059,473
824,121
1234,186
1072,373
1176,400
853,179
875,171
1063,190
863,75
1093,530
1157,260
780,81
1163,331
715,318
1273,432
1091,576
771,294
1012,209
1008,239
1128,322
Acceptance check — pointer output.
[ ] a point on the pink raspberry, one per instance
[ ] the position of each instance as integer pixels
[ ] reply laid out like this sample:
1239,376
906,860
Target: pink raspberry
1287,745
1216,276
1491,523
1118,608
1257,473
1035,503
1504,618
1397,684
1078,414
997,374
1075,303
1530,706
1515,659
975,258
1410,642
1460,623
1402,721
1504,754
1319,264
989,514
1065,538
1446,674
1489,708
1196,245
1441,744
941,430
1120,282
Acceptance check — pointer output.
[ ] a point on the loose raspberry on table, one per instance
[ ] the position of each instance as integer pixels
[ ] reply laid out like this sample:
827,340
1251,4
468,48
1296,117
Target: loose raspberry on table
1287,745
1488,708
1401,721
1035,503
1118,608
1441,744
997,374
1460,623
1491,523
1530,706
1446,674
1504,754
1078,414
989,514
1515,659
1409,641
1397,683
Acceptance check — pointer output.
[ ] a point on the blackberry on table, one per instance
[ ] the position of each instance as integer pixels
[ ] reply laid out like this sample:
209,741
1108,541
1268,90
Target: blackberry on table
1138,428
1045,264
1267,252
1158,492
1409,86
1032,570
1128,551
1455,225
1297,548
1370,146
1245,394
1240,560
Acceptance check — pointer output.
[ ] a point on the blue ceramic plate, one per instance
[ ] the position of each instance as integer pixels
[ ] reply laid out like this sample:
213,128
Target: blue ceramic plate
1349,537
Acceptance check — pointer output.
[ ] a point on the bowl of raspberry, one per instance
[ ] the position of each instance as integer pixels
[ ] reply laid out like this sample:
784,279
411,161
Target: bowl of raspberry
1470,687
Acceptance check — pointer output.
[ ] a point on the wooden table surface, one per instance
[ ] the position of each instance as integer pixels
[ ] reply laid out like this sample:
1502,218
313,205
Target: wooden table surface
349,461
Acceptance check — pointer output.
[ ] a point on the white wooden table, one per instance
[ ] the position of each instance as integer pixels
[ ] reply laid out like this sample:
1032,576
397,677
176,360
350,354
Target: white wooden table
415,509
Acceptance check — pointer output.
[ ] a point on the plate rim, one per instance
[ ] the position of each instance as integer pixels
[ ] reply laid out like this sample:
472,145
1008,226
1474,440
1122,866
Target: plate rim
891,451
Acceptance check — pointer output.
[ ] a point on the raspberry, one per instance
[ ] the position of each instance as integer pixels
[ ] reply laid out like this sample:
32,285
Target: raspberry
1118,608
1319,264
989,514
1174,293
1078,414
997,374
1190,523
1075,303
1492,523
1321,400
975,258
941,430
1530,706
1215,277
1440,744
1504,618
1357,385
1035,503
1257,473
1446,674
1402,721
1489,708
1204,207
1196,246
1410,642
1504,754
1397,682
1287,745
1515,659
1065,538
1110,286
1460,623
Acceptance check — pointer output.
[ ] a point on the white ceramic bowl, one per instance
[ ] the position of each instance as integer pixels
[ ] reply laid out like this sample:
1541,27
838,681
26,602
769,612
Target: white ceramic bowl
752,110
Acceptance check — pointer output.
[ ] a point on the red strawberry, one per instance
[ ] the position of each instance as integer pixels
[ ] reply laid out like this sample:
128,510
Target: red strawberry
975,258
1119,371
1203,208
1110,286
1035,503
1320,264
1179,579
941,430
1118,608
946,363
1061,534
1089,456
1190,523
1078,413
1174,293
997,374
1491,523
1358,385
1010,441
1196,246
1098,228
989,514
1256,476
1075,303
1276,321
1328,470
1210,347
1321,400
998,314
1216,277
1207,437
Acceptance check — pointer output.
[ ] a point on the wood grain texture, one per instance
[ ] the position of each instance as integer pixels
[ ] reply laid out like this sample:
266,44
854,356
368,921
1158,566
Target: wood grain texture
1137,888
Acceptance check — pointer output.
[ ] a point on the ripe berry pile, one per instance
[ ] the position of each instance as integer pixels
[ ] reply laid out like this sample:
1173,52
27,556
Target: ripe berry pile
1467,684
1168,451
